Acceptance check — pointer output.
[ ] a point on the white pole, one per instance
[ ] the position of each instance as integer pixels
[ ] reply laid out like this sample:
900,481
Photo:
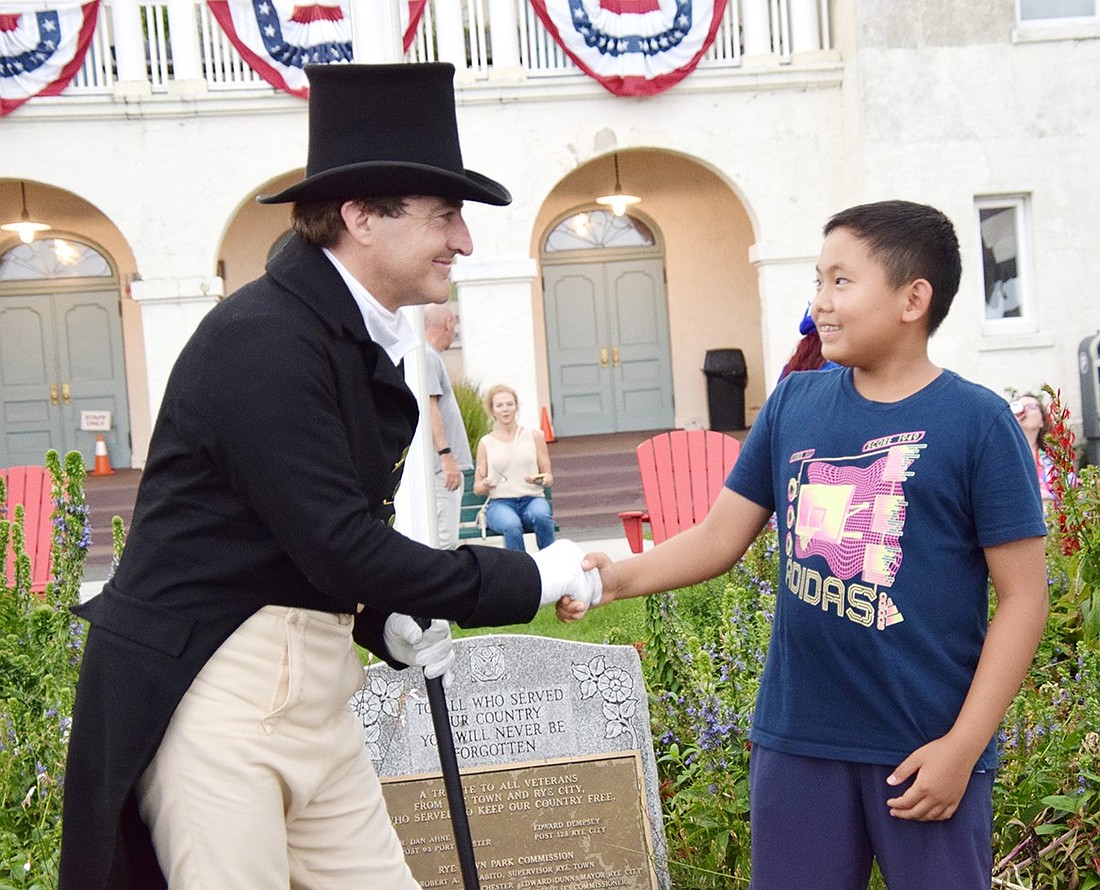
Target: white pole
757,28
183,29
376,32
504,34
450,36
415,499
376,38
805,28
129,43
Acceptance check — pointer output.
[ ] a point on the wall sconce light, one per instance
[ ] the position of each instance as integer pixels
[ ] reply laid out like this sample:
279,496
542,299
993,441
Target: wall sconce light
618,201
25,228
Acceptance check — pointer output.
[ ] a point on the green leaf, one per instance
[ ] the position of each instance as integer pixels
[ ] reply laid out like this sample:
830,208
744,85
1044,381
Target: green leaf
1066,803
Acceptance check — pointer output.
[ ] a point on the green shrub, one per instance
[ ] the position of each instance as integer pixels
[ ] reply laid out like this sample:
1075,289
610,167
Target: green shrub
703,651
703,655
1047,804
474,416
1075,528
40,649
703,658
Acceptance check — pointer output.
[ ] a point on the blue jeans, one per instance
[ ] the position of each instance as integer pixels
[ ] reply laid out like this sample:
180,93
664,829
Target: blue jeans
511,517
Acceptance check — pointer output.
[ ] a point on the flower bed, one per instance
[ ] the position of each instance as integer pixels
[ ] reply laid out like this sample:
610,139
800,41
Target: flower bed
702,655
40,649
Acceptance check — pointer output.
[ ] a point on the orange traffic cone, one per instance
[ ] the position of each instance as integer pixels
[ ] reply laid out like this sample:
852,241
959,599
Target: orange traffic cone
102,460
547,426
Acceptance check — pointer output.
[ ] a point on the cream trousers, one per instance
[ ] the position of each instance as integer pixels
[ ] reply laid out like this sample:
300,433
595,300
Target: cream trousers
262,780
448,508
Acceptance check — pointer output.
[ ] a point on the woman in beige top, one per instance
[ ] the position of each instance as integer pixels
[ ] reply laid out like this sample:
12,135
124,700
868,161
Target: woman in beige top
513,469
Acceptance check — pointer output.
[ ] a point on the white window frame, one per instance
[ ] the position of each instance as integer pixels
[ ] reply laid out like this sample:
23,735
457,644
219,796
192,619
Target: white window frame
1049,19
1056,27
1018,291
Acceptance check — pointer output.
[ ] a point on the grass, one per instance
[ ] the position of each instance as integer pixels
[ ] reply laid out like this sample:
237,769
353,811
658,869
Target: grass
620,622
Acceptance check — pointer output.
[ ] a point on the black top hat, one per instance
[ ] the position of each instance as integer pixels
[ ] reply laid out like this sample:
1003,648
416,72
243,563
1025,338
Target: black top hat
385,131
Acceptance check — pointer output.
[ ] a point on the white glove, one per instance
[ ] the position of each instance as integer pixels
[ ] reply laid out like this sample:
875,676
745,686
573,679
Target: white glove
560,569
431,648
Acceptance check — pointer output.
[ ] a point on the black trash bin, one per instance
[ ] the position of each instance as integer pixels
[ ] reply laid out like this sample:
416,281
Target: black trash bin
1088,363
727,377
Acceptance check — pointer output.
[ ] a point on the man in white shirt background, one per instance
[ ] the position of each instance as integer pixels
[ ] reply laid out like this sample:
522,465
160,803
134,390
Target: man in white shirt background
449,440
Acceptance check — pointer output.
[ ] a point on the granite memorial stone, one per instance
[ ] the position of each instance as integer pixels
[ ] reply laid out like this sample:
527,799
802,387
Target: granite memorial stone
557,765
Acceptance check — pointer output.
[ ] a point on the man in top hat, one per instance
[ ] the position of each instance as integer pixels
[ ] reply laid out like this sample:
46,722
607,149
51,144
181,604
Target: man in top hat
212,745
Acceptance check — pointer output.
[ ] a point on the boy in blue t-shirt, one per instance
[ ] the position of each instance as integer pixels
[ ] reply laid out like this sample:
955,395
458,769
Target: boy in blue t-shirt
899,491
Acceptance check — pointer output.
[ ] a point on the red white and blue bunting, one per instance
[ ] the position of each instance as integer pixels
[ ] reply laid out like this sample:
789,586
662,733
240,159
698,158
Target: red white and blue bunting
42,51
277,38
633,47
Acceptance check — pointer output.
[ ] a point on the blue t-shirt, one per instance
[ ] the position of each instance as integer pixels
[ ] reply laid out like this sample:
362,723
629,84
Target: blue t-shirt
883,511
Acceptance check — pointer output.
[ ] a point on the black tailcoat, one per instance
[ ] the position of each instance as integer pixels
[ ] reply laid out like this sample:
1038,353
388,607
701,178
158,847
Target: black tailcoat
270,480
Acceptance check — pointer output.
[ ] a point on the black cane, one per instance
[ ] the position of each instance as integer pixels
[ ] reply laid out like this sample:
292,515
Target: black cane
448,760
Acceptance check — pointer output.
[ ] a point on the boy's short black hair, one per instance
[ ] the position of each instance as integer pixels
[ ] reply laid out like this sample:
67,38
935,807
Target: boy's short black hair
911,241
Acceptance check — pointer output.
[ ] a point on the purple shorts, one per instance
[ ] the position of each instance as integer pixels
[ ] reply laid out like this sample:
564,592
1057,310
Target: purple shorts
819,824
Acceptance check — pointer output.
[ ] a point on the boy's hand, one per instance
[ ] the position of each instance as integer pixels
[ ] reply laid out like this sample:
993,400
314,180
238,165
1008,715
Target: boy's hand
942,774
569,609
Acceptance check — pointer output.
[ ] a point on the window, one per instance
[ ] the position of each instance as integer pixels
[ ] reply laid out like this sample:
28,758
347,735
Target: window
1009,306
47,258
597,230
1056,10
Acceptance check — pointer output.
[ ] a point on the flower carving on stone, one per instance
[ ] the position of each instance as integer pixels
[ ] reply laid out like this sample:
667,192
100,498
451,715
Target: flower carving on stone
615,687
377,700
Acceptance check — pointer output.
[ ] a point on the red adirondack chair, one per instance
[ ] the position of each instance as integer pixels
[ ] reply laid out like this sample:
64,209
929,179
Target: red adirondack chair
682,473
33,488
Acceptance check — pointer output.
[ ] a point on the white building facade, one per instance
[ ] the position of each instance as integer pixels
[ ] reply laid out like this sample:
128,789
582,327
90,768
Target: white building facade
149,164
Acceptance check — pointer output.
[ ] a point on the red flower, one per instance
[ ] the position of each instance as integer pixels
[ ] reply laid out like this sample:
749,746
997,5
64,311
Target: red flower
1060,444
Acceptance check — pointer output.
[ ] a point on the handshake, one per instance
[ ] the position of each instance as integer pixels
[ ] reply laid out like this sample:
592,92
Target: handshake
561,574
559,567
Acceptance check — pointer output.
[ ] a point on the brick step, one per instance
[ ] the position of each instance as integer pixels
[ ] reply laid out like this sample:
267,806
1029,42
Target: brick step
107,497
588,462
592,487
570,479
612,498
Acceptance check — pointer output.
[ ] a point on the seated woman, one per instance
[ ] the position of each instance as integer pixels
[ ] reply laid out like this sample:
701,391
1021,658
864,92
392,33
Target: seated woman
513,469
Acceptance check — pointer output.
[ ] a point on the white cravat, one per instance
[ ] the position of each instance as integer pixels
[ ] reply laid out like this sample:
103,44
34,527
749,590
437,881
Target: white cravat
390,330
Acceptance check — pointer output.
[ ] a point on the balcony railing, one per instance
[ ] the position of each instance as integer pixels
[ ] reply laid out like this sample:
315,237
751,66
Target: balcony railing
134,42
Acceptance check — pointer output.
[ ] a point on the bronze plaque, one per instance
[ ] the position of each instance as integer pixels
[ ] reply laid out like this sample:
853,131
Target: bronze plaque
578,824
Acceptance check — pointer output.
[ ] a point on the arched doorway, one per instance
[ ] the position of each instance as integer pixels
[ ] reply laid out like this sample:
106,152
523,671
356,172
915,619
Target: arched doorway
62,370
607,331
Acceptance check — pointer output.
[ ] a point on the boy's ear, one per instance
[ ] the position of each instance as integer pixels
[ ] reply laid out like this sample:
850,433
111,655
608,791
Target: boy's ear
918,298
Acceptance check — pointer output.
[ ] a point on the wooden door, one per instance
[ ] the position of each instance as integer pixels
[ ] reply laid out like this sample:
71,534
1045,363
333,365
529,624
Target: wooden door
608,346
28,379
61,354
